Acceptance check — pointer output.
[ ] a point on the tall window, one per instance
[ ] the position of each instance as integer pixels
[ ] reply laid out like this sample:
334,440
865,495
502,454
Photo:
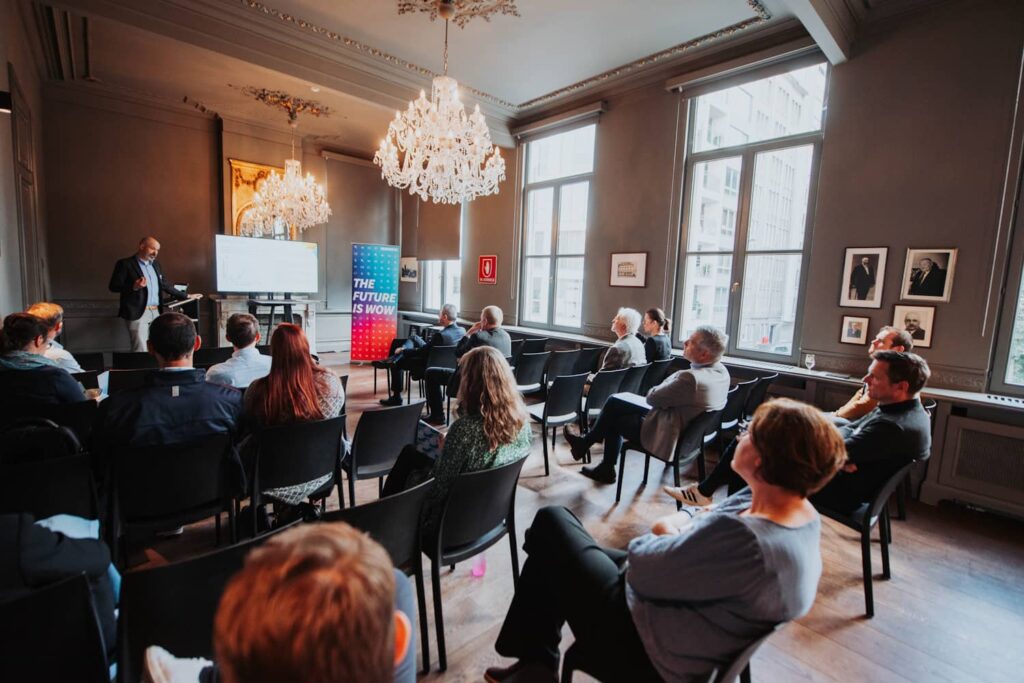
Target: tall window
559,171
442,283
750,170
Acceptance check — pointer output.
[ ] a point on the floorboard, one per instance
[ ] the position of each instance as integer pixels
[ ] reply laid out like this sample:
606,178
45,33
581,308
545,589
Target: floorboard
953,611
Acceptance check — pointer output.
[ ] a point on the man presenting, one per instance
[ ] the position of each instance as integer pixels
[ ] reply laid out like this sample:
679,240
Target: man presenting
670,406
140,280
486,332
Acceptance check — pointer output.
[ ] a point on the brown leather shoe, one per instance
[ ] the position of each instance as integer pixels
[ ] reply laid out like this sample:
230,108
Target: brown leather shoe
521,672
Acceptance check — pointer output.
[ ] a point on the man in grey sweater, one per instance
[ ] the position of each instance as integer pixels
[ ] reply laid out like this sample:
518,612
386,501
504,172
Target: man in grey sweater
657,422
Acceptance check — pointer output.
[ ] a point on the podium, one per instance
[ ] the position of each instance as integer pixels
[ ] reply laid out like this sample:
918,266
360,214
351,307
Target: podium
267,311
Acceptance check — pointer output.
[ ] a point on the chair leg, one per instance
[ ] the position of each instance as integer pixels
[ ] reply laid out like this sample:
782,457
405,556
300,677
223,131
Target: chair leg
745,674
514,551
421,606
883,533
701,465
865,552
435,580
375,381
216,526
352,488
622,473
544,439
380,487
647,466
675,480
233,521
902,494
554,432
341,492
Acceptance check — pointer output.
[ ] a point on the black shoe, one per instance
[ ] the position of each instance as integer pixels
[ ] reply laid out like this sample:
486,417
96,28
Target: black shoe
599,474
391,401
577,444
435,420
523,671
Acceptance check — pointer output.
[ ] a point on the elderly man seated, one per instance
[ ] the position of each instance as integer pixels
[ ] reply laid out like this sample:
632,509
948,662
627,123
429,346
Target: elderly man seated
627,350
413,356
658,422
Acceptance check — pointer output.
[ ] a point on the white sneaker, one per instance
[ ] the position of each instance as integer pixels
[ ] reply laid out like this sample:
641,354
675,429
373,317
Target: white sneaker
160,666
688,495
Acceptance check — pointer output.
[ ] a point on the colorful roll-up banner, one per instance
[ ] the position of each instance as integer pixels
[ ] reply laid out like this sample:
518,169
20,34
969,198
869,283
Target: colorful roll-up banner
374,300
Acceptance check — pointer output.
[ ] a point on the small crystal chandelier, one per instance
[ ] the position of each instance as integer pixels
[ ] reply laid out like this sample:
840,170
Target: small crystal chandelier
447,155
284,207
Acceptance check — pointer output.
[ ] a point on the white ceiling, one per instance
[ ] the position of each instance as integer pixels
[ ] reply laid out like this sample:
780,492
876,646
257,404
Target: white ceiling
553,44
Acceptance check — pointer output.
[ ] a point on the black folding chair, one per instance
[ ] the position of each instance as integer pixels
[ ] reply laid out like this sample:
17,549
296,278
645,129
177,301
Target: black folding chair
53,634
863,519
689,448
560,363
205,357
561,407
173,605
740,666
437,357
602,386
49,487
133,360
385,364
634,378
394,522
758,394
78,417
292,454
380,436
656,374
588,359
905,492
31,439
517,349
535,344
161,487
530,372
479,511
92,361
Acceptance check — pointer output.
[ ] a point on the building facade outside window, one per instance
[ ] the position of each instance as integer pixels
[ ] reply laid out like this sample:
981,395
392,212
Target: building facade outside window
441,283
751,167
556,213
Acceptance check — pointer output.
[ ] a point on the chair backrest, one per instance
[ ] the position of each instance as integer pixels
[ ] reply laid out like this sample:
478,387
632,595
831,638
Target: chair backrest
133,360
205,357
89,379
604,384
758,393
442,357
381,435
264,349
881,498
656,374
530,368
173,606
588,359
740,662
394,522
50,487
478,504
30,439
535,344
53,634
517,349
734,404
560,363
91,361
678,363
692,436
120,380
293,454
158,482
565,395
634,378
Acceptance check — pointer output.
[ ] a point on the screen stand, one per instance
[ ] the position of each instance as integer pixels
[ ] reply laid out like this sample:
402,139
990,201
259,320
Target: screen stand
255,301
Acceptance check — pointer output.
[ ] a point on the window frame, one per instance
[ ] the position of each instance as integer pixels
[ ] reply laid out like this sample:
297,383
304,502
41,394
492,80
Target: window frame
1008,298
553,256
748,153
444,279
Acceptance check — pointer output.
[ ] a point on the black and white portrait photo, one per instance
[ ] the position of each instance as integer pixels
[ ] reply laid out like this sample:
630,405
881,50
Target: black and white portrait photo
863,277
854,330
928,275
918,321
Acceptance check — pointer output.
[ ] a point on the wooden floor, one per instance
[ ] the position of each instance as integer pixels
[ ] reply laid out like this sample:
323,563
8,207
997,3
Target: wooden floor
953,611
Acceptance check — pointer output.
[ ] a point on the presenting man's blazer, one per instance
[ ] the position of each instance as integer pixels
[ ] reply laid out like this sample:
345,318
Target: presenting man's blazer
133,302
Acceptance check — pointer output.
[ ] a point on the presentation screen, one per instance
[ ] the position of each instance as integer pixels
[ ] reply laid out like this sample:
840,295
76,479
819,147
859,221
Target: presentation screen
250,264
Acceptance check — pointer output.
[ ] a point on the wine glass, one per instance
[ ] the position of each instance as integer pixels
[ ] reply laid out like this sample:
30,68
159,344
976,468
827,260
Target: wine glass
809,361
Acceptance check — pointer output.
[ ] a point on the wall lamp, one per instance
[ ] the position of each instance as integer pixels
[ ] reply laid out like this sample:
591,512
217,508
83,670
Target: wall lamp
5,102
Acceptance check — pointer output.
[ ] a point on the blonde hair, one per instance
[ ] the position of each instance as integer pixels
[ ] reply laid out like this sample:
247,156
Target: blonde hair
488,388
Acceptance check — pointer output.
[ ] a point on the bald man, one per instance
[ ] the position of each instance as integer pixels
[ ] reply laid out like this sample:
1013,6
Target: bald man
139,280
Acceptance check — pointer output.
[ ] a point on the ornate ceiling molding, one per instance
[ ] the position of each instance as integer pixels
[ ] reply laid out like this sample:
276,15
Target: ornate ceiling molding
465,10
762,15
280,99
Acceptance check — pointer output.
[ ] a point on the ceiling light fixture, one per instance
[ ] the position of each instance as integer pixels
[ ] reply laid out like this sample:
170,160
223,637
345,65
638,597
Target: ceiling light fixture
283,207
435,149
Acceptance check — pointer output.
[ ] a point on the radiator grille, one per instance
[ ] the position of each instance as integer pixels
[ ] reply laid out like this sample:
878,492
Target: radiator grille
992,459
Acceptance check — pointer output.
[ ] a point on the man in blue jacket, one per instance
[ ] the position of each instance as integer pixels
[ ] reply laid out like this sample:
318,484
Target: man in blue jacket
413,356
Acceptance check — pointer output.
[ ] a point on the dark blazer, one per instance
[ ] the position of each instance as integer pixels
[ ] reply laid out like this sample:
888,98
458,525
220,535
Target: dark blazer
34,557
932,285
862,281
133,302
448,336
879,443
42,385
498,338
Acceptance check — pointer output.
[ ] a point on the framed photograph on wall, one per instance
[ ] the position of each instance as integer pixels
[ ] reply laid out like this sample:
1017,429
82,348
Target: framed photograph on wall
863,277
918,321
928,274
854,330
410,270
629,270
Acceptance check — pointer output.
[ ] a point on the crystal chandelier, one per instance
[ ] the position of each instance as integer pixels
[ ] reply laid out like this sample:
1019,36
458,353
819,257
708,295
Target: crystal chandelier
435,149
